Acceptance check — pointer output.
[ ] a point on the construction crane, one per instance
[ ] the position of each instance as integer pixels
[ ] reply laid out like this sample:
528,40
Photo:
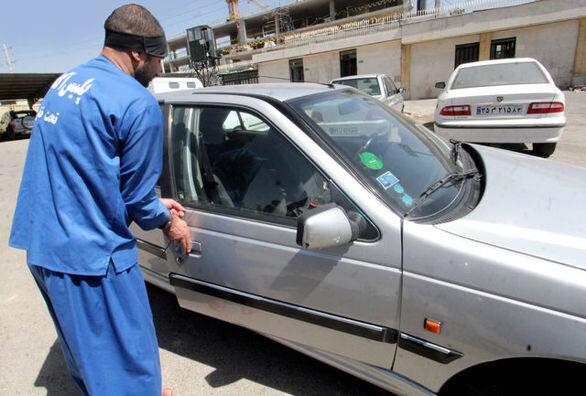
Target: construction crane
234,9
264,7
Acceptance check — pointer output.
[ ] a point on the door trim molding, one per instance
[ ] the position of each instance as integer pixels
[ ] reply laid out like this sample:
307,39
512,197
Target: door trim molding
427,349
152,249
334,322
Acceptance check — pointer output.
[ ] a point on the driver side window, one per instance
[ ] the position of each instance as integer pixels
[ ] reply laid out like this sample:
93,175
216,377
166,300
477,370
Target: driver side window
232,159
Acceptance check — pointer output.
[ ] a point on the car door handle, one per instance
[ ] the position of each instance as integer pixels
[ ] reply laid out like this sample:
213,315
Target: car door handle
194,252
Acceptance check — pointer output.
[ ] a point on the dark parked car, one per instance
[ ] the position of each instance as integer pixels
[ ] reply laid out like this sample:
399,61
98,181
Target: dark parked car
17,123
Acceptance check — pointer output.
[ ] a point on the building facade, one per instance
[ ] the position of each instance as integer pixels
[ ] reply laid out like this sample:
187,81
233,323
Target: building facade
420,47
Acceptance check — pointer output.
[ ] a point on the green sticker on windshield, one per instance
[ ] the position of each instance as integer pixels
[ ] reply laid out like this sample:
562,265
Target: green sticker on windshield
370,160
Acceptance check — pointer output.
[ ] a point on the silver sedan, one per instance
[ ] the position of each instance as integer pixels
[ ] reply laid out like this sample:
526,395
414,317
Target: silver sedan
326,221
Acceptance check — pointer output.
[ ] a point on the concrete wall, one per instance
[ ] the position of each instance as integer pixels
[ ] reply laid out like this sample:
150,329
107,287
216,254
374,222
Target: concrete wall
579,78
273,72
553,44
316,68
380,58
535,42
433,61
322,67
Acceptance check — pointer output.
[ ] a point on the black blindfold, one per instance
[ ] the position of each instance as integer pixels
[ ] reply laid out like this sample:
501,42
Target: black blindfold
154,46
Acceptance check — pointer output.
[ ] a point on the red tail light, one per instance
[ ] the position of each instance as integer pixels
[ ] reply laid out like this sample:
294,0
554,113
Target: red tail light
317,116
545,107
12,123
462,110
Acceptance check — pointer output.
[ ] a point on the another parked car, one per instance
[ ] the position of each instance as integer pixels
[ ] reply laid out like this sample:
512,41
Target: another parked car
502,101
379,86
168,84
17,123
329,223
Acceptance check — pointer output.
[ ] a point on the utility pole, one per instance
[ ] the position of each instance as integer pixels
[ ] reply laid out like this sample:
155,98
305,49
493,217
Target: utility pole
8,59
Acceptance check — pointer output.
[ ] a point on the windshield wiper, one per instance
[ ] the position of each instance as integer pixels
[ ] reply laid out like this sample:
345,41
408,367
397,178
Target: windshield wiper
450,177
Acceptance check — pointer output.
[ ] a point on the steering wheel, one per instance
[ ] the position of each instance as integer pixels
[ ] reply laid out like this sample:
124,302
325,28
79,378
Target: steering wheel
374,137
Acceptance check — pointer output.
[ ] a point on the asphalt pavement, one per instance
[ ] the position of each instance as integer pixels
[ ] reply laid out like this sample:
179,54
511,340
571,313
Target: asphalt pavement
199,355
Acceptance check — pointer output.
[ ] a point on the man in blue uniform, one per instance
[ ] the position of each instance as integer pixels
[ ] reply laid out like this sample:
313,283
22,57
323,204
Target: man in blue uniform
94,157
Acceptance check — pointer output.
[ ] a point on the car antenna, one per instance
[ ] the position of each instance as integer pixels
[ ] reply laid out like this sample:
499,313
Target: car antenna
285,78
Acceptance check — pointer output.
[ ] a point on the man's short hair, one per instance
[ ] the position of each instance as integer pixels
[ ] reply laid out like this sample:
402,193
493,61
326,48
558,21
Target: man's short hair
134,19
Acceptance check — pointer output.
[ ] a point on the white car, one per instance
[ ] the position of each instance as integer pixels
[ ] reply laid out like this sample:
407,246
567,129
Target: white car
379,86
502,101
170,84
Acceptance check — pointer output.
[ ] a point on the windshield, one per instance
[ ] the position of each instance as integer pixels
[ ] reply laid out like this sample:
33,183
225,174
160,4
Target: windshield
367,85
499,74
397,157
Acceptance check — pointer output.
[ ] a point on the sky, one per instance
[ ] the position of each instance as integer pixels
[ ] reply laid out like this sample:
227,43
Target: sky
54,36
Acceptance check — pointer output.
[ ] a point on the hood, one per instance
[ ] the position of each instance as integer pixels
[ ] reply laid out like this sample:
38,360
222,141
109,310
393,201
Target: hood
530,205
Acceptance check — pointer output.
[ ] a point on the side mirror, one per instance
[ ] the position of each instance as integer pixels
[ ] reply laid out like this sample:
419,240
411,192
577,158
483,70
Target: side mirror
440,85
327,226
402,90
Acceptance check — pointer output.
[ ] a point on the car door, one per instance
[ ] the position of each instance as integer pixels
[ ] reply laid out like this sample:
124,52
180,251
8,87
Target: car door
245,179
152,246
394,97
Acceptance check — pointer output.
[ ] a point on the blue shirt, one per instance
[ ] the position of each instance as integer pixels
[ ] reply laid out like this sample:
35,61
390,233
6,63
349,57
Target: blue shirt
94,157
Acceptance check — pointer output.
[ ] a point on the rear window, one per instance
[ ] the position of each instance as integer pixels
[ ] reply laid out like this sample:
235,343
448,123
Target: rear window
500,74
367,85
22,114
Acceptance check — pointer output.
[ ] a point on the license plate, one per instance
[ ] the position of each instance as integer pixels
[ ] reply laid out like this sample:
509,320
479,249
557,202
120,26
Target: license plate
499,110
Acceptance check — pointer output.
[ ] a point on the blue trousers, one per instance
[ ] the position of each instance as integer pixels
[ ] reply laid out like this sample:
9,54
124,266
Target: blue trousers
105,327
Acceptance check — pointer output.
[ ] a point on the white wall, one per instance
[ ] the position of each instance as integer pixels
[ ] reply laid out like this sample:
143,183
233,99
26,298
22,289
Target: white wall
380,58
553,44
273,72
322,67
431,62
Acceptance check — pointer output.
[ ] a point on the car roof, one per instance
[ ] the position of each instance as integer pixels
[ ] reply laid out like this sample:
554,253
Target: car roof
496,62
278,91
358,76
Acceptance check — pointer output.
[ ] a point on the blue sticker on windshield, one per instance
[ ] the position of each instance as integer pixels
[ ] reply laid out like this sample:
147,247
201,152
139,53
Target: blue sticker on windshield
407,200
387,180
399,189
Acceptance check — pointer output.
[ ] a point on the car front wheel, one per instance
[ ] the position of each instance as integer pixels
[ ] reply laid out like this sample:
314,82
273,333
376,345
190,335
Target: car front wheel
544,149
9,135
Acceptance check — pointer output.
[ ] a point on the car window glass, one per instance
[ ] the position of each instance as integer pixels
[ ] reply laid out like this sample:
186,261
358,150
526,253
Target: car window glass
231,159
390,86
190,84
500,74
367,85
397,158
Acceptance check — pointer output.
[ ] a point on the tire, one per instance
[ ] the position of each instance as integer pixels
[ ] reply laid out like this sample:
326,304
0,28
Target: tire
28,122
535,377
544,150
9,135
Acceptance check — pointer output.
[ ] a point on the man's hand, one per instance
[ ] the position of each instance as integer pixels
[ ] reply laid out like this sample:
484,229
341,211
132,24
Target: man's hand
173,206
179,231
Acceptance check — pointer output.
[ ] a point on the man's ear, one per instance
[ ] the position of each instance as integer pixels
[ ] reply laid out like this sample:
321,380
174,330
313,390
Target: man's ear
137,56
